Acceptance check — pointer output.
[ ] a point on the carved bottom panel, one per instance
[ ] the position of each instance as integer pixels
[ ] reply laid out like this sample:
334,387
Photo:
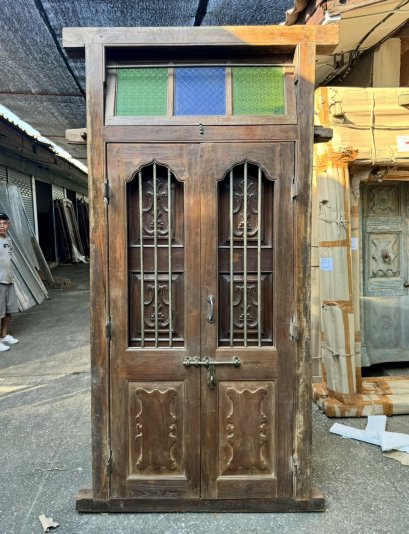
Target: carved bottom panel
246,428
156,428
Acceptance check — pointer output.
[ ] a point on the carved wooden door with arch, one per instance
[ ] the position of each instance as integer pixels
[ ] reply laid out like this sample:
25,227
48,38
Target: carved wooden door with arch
201,297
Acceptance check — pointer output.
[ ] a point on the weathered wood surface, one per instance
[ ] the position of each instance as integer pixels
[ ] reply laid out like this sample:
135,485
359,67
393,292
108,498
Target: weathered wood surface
306,54
283,37
148,381
86,503
77,136
100,368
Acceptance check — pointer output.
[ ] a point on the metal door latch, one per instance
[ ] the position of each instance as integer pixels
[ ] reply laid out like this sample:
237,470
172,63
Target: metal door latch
195,361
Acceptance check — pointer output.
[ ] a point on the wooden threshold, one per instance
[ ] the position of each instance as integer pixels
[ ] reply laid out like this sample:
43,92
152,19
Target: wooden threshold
85,503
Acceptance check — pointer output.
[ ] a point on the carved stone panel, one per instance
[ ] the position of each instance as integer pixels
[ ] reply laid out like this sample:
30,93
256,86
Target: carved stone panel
384,255
156,428
246,419
383,200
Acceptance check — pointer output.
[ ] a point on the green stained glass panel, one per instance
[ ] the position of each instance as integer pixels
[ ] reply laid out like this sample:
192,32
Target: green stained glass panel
258,91
142,92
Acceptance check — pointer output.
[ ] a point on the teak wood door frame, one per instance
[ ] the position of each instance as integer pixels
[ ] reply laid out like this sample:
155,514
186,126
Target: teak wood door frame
303,42
146,367
266,374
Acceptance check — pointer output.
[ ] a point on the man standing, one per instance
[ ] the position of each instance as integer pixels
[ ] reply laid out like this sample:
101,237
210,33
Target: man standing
8,298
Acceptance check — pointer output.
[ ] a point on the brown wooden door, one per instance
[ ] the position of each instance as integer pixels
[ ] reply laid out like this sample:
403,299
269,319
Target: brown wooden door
201,216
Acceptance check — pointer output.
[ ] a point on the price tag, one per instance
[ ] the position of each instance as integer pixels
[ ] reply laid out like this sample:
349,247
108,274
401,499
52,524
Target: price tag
326,264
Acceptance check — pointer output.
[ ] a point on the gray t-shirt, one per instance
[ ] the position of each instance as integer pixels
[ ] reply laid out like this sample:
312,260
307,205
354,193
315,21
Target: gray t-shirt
6,272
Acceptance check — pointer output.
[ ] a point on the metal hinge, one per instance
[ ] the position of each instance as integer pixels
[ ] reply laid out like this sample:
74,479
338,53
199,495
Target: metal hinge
107,191
294,333
109,464
108,328
294,190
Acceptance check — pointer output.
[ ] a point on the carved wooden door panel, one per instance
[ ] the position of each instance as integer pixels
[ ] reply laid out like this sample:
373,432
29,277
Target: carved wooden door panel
385,300
154,255
247,301
201,269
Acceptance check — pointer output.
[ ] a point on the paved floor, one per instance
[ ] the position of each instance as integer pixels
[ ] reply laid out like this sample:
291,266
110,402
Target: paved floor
45,445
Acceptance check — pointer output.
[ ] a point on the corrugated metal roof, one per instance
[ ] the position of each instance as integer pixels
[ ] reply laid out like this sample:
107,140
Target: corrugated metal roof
14,119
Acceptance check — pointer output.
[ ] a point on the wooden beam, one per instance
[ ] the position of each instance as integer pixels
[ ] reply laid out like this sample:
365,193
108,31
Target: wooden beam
49,175
282,37
322,135
78,136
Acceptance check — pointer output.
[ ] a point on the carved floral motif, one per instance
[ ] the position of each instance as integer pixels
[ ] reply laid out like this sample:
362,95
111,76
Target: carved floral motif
384,252
238,305
162,311
162,207
383,200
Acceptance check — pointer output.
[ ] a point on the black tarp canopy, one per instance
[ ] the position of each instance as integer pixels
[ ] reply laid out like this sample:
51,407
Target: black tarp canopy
45,88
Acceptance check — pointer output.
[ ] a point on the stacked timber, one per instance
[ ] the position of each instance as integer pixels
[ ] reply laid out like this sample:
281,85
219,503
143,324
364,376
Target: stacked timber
72,247
27,259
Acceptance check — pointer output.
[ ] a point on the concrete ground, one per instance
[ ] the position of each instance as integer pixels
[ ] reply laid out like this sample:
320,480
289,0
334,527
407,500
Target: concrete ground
46,456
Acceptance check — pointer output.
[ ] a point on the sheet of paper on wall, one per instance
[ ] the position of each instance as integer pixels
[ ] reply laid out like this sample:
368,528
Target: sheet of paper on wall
326,264
374,433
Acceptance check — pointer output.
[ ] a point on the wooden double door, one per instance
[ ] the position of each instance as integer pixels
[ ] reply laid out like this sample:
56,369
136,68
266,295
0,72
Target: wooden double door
201,277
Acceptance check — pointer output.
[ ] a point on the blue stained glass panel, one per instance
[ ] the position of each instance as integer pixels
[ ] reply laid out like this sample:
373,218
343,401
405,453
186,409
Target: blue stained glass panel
200,91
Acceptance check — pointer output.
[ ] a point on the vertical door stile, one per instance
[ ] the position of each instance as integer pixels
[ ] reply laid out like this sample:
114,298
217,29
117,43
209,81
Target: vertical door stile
141,257
231,259
245,254
170,256
155,251
259,257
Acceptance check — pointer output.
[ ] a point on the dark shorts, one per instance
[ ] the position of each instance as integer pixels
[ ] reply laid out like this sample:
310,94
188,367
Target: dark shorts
8,299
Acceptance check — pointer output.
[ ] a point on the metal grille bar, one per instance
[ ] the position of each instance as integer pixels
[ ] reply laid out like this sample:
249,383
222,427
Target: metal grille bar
245,253
141,258
155,251
259,257
231,260
170,256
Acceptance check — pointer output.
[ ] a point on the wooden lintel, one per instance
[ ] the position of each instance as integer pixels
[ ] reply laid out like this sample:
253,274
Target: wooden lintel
282,37
77,136
322,135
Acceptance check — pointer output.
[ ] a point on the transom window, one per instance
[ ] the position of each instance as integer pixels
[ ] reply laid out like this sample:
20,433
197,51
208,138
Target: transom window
200,91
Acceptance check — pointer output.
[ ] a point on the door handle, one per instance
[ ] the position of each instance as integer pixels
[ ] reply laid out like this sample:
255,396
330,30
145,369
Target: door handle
210,317
195,361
